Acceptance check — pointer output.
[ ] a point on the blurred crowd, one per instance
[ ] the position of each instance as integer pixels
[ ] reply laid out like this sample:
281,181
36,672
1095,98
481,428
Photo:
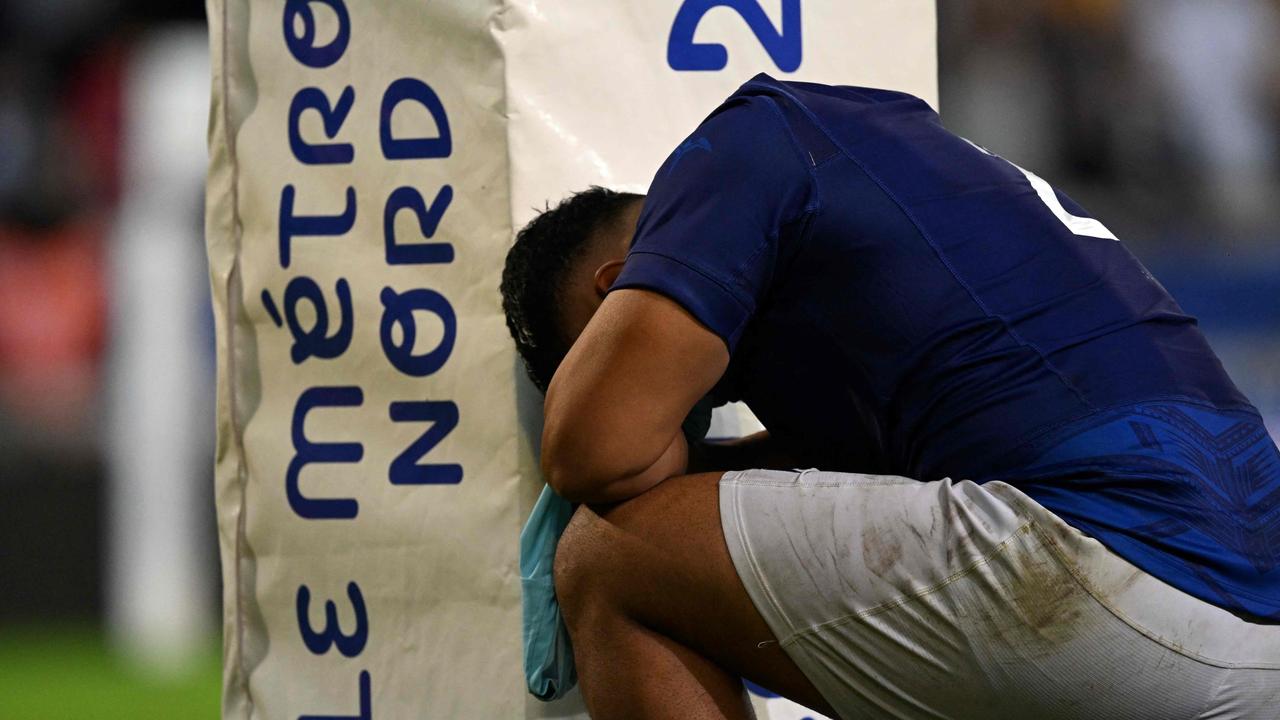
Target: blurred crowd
62,65
1159,116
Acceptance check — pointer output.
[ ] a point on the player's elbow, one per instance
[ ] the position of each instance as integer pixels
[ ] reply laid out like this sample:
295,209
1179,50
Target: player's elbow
578,469
571,472
565,468
568,476
563,483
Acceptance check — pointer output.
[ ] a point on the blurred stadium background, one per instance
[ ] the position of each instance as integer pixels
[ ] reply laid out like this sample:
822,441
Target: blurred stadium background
1160,116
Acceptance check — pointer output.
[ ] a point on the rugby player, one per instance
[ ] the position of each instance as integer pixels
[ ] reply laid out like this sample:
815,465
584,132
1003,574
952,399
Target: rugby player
1036,494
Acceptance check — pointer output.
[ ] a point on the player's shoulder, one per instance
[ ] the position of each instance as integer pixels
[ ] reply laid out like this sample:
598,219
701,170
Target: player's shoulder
746,114
747,130
819,117
818,98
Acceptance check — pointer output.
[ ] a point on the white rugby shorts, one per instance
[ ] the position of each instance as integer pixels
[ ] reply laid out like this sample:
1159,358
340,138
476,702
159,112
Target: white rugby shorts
908,599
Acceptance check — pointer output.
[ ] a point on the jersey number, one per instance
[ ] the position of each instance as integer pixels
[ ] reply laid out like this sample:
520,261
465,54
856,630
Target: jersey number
1086,226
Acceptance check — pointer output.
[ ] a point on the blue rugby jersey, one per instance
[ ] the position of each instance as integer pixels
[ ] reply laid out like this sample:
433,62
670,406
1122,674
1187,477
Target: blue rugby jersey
897,300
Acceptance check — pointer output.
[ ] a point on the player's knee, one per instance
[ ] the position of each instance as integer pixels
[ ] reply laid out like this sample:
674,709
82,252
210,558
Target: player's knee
575,554
579,556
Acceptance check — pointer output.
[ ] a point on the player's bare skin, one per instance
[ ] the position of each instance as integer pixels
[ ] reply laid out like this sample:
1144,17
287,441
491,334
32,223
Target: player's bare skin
662,626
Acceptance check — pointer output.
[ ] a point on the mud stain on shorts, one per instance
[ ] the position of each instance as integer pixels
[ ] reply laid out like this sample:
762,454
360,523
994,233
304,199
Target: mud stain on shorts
880,551
1049,601
1047,607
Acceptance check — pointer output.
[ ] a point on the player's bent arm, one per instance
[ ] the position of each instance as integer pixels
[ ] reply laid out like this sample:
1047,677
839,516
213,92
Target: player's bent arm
672,463
614,408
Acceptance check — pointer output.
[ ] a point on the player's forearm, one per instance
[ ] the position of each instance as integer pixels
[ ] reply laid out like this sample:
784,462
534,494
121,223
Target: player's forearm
593,449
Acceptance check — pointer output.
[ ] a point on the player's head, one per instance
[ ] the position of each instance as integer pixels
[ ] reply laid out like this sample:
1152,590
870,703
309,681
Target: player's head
559,270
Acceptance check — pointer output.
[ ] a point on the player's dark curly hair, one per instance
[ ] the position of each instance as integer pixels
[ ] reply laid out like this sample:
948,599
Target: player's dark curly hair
536,269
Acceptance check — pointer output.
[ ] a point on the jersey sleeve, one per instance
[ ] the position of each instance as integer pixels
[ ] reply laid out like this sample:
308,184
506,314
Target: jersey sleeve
708,233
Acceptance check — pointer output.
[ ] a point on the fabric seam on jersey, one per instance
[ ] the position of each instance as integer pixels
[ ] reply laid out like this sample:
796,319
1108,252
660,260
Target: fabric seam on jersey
1074,341
1060,555
743,296
813,203
728,290
942,256
739,276
815,192
828,161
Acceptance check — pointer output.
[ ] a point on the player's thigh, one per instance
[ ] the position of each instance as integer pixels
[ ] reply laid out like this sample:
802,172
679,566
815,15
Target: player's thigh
661,559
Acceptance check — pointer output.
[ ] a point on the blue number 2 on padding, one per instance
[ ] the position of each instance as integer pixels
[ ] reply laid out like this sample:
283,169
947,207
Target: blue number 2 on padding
784,47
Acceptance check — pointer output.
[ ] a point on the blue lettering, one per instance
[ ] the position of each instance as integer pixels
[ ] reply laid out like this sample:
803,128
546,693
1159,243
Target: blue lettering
315,342
307,452
405,469
321,153
398,309
320,642
303,46
292,225
428,221
394,148
783,47
270,304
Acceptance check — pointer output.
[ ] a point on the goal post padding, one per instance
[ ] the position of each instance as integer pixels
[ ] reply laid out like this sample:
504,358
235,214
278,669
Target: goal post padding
369,164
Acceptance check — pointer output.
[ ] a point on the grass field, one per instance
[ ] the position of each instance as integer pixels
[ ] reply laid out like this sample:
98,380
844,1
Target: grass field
67,673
